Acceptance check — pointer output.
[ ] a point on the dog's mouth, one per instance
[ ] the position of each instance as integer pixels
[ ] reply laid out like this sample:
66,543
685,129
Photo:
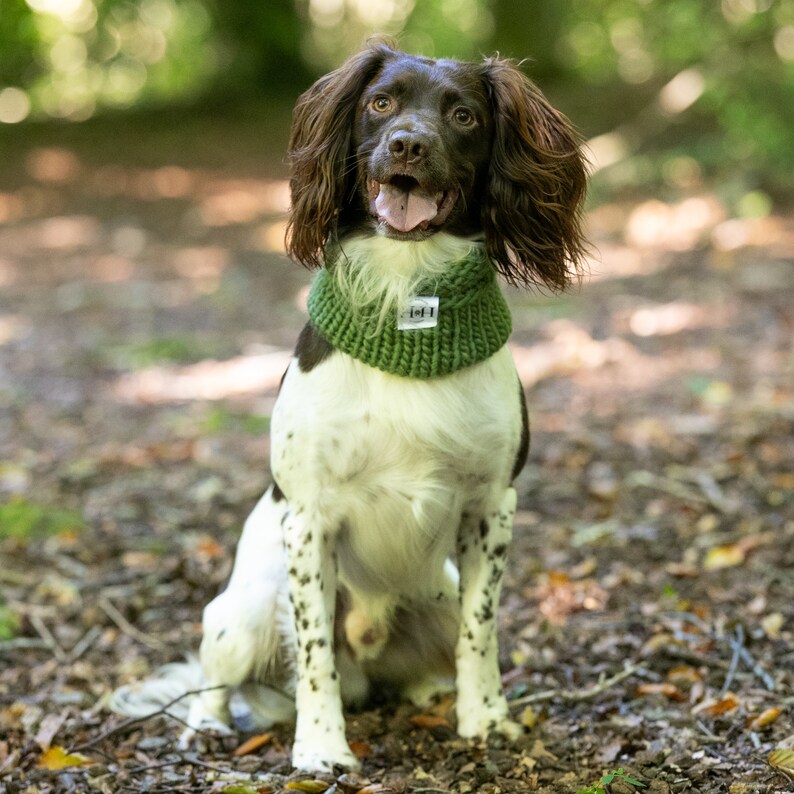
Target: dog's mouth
405,204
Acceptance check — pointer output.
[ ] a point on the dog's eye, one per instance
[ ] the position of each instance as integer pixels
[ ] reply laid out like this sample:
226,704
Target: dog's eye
463,117
381,104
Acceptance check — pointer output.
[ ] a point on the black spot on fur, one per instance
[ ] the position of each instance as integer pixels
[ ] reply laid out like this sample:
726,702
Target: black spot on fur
278,494
312,348
483,528
523,446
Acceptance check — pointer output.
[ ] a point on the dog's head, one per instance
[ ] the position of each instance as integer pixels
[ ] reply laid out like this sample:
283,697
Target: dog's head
407,146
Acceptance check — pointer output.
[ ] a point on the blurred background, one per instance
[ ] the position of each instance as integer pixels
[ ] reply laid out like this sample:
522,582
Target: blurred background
147,312
675,93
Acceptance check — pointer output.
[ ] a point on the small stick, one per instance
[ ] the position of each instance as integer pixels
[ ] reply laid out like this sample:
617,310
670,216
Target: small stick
737,646
48,637
128,628
21,642
84,643
759,671
575,695
122,726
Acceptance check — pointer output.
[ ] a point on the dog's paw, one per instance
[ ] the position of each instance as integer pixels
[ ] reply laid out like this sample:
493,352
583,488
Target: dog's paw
311,756
193,737
479,723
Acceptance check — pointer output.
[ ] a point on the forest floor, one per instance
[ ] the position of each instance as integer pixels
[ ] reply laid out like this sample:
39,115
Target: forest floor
146,316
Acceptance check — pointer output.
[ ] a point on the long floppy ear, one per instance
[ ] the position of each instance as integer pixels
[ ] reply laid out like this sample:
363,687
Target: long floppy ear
320,156
532,214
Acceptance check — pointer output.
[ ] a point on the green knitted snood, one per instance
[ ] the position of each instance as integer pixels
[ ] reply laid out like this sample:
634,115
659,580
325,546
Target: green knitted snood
470,323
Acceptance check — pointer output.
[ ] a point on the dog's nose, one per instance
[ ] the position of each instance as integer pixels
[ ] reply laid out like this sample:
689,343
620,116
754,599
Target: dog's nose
410,147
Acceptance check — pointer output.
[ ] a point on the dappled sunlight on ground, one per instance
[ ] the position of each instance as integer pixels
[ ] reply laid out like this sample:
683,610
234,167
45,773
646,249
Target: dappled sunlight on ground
147,314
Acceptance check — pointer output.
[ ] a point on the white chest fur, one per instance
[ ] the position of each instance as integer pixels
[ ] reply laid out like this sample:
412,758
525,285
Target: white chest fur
392,462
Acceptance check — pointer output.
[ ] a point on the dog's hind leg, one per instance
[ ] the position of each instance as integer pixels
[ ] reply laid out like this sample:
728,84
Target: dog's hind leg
244,629
482,547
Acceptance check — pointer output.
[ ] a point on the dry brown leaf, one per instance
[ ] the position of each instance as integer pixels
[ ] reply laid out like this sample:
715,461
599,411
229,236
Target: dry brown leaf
254,743
765,718
718,708
670,691
57,758
207,547
360,749
309,786
685,673
375,788
428,721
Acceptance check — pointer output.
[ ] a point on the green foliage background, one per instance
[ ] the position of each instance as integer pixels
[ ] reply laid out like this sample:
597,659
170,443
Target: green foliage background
604,61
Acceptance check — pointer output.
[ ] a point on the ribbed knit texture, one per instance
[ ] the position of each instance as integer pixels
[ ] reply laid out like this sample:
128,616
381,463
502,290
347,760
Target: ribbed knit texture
473,323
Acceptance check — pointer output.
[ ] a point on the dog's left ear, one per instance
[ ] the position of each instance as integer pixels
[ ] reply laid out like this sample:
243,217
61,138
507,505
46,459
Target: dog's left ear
532,214
320,151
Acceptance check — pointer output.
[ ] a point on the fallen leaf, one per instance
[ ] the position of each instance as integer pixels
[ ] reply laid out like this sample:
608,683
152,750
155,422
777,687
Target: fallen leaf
782,761
765,718
538,751
528,717
724,557
309,786
57,758
207,547
361,750
49,726
685,673
428,721
351,782
718,708
772,624
670,691
254,743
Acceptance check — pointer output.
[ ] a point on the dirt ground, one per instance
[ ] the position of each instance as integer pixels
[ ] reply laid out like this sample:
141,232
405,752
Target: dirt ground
146,316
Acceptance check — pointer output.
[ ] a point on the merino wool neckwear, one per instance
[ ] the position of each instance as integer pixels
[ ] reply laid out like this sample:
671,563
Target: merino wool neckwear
473,322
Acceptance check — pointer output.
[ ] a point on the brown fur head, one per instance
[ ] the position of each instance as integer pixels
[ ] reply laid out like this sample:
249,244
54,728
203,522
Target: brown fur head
478,138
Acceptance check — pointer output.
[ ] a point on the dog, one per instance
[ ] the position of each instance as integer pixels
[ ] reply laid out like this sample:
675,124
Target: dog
376,556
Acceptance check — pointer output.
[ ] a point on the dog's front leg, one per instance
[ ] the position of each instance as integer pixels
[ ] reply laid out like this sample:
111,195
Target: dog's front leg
483,541
320,742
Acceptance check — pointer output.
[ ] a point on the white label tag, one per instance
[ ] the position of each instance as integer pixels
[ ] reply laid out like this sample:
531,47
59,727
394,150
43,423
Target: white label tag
422,312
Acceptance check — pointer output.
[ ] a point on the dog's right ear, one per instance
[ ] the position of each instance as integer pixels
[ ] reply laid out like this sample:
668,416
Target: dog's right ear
320,151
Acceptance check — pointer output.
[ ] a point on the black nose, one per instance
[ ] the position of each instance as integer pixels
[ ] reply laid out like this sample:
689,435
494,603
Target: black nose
410,147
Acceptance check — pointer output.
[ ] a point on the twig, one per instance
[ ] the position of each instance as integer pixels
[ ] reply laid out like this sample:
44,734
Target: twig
48,637
84,643
737,646
709,734
128,723
22,642
183,758
759,671
575,695
713,493
192,759
646,479
128,628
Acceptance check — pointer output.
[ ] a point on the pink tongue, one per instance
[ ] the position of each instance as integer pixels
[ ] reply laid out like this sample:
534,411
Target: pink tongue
405,210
